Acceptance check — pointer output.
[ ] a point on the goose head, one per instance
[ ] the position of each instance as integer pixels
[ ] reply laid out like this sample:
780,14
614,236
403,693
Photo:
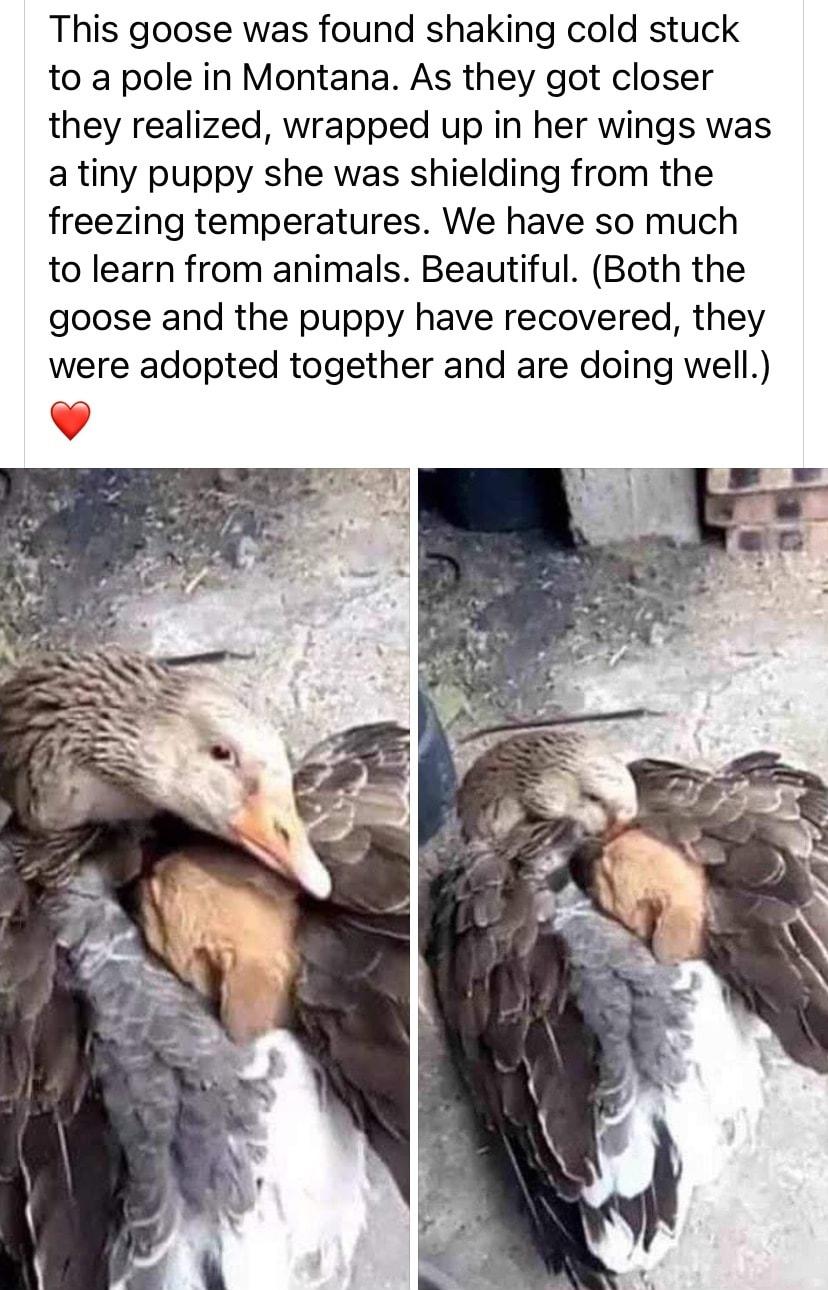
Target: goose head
213,763
595,790
105,735
548,776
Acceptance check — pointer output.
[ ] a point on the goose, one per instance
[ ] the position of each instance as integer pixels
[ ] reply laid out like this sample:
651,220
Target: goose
142,1126
609,1029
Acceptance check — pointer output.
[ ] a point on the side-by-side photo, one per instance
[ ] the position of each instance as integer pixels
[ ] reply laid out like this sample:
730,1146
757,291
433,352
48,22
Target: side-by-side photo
204,880
623,877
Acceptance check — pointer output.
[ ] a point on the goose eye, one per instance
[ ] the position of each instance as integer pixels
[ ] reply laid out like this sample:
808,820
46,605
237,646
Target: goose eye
220,752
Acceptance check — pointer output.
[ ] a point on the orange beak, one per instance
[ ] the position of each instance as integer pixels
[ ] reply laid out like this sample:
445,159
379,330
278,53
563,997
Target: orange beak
275,835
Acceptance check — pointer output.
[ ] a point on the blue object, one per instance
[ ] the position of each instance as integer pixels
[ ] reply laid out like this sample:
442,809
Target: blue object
437,778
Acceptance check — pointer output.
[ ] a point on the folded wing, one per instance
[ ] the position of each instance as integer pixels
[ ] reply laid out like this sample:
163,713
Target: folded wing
353,989
571,1039
760,828
58,1171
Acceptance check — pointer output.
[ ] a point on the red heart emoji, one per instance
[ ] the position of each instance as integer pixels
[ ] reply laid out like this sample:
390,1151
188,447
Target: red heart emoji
70,421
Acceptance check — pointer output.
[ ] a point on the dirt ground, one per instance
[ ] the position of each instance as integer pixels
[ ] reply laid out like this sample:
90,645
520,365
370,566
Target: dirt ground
304,570
735,655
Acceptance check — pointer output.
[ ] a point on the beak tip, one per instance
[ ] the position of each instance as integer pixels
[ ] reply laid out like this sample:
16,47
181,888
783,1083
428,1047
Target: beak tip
288,852
318,883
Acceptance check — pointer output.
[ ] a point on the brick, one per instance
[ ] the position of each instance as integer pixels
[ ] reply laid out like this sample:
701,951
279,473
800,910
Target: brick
810,538
765,480
818,539
791,505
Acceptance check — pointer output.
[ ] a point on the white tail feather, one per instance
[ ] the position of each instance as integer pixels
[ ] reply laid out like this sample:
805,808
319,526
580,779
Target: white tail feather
312,1184
312,1190
716,1112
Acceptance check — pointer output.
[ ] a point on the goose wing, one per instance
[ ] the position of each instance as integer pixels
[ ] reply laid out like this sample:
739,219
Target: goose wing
184,1107
353,989
125,1108
352,791
760,828
501,981
57,1175
550,1021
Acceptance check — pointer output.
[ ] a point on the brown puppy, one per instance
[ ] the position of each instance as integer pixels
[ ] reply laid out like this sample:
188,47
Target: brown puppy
229,929
655,892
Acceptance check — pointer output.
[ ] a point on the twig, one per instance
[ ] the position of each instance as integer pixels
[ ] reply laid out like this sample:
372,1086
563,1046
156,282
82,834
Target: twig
194,582
625,714
208,656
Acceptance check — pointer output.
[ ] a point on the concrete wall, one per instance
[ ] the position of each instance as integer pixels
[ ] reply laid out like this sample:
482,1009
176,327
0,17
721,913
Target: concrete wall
609,506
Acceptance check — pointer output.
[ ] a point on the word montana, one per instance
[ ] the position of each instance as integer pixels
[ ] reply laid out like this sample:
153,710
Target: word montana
269,76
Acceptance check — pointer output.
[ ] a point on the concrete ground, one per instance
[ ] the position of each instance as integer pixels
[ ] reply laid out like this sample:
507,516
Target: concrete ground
306,570
736,656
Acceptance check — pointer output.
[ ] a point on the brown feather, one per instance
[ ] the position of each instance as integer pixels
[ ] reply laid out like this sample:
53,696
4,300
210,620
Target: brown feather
353,990
521,1045
58,1185
70,1187
352,794
764,827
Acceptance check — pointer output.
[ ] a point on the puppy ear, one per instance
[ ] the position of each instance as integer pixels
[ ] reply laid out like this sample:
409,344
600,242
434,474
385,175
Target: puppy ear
248,1005
678,935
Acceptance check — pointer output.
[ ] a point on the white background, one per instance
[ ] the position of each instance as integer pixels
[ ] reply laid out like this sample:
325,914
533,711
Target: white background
441,423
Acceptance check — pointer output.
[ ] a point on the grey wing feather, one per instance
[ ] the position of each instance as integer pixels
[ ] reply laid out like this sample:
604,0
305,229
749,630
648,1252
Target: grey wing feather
635,1004
186,1118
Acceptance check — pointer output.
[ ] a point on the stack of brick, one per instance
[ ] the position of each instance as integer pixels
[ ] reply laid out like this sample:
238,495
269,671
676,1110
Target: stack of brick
770,510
